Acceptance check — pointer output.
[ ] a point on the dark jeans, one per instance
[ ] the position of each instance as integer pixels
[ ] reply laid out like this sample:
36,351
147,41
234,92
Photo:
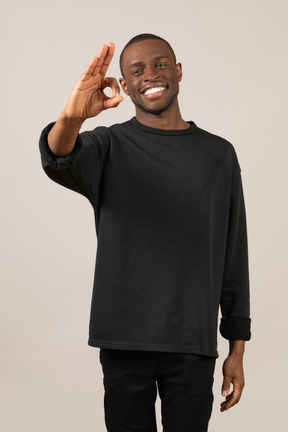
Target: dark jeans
184,383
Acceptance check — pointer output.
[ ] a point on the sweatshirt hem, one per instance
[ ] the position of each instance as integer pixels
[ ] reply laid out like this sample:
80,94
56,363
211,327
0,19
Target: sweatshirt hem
148,347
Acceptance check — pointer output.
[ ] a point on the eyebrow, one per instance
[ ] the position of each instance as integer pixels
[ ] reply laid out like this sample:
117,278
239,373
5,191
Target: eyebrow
141,63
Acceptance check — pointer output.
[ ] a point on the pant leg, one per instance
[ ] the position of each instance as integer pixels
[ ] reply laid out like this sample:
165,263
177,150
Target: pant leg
185,387
130,390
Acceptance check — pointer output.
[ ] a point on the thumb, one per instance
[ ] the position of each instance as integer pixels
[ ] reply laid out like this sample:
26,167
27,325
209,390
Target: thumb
112,102
226,386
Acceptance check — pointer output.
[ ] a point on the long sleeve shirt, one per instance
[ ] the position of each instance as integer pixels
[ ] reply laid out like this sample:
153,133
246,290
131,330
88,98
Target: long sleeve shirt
171,235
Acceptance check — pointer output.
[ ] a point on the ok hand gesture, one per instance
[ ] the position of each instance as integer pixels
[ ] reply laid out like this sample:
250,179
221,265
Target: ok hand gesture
88,98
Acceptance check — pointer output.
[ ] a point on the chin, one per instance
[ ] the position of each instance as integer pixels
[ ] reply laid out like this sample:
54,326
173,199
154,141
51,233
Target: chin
156,110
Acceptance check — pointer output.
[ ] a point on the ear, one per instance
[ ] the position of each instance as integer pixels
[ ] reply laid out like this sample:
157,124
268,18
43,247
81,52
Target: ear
179,71
124,86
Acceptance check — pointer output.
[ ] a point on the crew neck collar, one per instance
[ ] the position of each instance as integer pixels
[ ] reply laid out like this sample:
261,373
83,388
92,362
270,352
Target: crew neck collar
152,130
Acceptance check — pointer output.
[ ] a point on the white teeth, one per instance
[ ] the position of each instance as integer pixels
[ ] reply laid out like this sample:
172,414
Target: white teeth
154,90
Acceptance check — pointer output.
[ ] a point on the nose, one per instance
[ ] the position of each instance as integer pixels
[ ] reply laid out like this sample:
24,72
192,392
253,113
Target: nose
151,74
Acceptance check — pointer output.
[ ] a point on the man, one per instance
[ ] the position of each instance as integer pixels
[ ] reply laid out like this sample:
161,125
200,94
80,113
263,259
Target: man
172,241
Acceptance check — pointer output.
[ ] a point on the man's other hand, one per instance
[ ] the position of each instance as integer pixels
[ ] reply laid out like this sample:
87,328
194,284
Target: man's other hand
233,373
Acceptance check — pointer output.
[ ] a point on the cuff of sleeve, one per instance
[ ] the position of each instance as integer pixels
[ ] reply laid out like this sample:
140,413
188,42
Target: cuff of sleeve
52,160
236,328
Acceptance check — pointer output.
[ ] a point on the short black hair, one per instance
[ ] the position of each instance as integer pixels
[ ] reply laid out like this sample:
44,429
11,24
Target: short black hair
139,38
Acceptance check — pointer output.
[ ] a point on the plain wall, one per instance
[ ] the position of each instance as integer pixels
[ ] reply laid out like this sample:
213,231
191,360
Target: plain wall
235,68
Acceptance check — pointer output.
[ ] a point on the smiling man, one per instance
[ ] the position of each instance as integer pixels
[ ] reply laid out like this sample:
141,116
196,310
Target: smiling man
155,93
172,241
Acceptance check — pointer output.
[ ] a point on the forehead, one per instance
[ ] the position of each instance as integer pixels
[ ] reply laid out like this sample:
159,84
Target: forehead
145,51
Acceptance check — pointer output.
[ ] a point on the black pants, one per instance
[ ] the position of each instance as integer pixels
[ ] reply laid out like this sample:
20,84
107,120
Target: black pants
184,383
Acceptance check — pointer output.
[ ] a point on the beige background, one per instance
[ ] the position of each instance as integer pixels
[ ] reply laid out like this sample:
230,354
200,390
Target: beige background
234,57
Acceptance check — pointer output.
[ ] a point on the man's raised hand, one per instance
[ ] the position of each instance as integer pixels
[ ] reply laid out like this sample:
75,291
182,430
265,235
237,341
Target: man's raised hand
88,98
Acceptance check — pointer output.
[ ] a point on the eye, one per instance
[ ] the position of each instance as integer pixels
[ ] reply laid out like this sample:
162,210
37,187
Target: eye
161,65
137,71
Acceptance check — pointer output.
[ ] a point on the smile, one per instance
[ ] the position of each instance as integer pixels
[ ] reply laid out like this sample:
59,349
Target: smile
154,90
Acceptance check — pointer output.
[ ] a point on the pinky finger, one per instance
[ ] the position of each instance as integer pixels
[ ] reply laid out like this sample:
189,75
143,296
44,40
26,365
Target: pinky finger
90,69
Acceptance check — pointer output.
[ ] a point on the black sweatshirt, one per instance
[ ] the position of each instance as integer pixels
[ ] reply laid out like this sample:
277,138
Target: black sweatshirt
172,238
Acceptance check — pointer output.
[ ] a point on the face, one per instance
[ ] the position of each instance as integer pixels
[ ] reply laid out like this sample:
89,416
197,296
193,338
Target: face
151,77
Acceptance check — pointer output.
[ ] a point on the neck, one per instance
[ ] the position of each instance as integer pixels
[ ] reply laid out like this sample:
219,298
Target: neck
169,119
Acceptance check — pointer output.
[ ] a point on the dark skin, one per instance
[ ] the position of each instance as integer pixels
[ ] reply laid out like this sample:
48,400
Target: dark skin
147,66
233,374
150,64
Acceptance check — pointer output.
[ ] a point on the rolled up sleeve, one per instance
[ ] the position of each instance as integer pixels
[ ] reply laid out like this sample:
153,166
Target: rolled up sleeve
235,296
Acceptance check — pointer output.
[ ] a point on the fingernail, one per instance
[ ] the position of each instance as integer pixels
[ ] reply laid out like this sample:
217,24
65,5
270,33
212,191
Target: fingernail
224,393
